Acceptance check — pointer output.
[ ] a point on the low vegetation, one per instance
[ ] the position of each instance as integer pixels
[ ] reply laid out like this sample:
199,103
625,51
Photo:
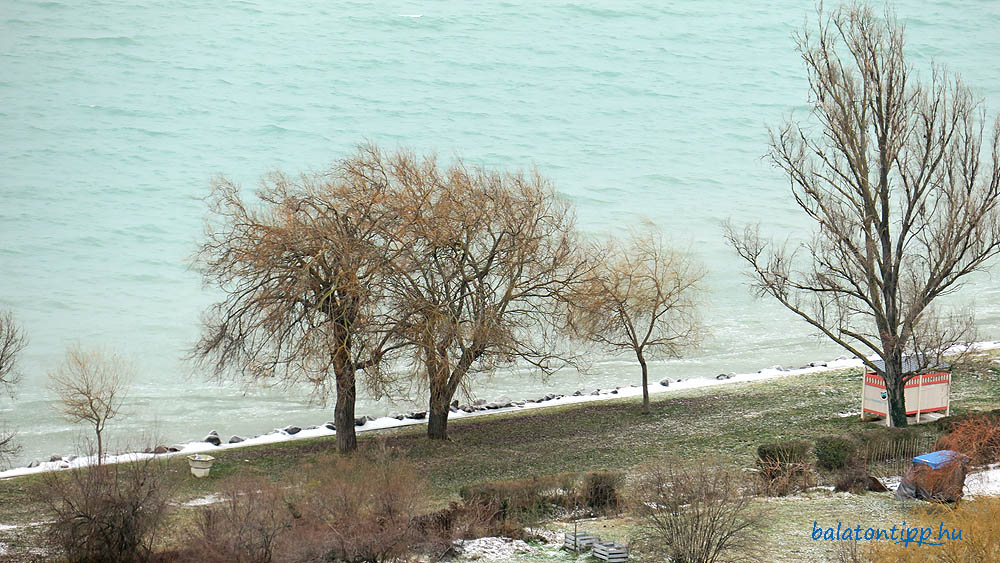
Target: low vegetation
977,522
696,512
555,446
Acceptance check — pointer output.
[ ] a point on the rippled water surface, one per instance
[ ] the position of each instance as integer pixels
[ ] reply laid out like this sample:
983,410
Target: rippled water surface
115,115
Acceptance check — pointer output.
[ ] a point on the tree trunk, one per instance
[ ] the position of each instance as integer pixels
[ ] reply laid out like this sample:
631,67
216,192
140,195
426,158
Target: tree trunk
343,413
437,417
645,382
895,389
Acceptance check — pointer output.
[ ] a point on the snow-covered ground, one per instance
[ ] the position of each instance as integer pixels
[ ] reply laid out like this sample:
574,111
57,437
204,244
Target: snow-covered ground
278,435
983,483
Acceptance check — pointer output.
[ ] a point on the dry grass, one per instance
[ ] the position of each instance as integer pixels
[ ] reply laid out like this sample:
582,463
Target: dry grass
976,521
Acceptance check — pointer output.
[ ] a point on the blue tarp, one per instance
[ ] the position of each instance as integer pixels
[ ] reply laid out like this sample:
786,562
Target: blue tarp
938,459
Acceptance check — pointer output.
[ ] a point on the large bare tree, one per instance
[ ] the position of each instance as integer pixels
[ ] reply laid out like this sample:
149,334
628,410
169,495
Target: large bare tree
12,343
486,255
304,273
91,385
902,178
640,298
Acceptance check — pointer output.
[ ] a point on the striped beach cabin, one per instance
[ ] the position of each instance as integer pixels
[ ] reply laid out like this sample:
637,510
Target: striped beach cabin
926,393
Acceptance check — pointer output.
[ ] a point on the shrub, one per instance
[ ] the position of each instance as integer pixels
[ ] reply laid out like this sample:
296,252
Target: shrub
976,436
833,452
106,513
946,424
601,489
361,508
695,512
792,451
527,500
784,467
520,501
976,519
244,526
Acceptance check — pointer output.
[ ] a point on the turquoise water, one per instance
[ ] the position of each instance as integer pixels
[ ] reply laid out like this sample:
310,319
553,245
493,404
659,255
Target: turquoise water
114,117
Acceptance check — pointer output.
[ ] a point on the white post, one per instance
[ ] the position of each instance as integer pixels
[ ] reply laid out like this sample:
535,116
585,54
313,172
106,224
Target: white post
864,383
947,410
888,411
920,387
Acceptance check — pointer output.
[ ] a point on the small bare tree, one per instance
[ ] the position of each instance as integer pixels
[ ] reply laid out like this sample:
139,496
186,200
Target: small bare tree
12,343
903,182
697,513
485,256
91,386
640,298
304,274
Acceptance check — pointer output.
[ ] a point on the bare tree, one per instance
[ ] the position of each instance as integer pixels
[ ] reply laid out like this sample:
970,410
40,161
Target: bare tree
304,275
903,182
12,343
91,385
640,298
486,254
697,512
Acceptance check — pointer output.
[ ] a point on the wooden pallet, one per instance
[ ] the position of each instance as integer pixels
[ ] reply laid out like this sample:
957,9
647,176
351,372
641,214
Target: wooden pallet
579,541
610,551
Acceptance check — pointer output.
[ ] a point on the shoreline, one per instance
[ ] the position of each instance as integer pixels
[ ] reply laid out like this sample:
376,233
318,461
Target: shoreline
381,423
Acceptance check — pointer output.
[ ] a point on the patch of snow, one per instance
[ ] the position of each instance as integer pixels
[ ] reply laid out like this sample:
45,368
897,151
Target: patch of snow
5,527
3,548
493,549
203,501
983,483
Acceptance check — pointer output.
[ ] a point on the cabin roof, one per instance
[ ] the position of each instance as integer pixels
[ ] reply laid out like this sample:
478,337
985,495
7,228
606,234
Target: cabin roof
912,363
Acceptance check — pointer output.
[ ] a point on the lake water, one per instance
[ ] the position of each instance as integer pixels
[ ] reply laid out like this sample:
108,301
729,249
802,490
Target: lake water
115,115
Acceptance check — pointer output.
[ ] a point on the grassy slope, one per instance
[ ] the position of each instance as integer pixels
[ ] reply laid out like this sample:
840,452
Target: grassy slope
724,422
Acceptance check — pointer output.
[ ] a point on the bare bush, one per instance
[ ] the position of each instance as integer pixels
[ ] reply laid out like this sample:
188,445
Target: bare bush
696,513
360,509
977,437
245,526
107,512
784,468
852,551
91,386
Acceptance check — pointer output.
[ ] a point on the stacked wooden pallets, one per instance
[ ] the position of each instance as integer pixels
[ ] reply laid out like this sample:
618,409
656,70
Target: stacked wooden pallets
610,551
605,551
579,541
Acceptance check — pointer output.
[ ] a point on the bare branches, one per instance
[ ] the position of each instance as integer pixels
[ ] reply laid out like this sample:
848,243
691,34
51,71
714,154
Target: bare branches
305,274
386,257
91,385
640,297
483,256
12,343
903,185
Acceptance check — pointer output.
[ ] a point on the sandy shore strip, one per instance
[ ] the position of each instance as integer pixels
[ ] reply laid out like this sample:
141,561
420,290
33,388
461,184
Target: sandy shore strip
279,435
